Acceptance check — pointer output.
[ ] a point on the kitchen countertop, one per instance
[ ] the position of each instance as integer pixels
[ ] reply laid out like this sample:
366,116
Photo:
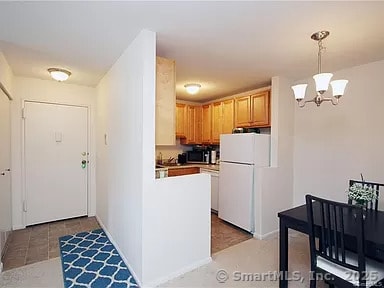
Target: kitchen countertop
215,167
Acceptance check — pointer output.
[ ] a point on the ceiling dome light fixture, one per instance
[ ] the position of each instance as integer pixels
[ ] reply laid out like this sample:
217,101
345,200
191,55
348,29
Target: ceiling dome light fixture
321,79
192,88
59,74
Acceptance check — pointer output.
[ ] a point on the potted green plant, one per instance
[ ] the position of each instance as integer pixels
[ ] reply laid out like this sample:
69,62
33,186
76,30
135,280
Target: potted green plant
361,194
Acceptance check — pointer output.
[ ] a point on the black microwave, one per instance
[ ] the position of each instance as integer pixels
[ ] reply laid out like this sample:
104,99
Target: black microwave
196,156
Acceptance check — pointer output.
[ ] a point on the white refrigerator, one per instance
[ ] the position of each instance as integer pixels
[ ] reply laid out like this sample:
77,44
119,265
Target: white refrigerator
240,154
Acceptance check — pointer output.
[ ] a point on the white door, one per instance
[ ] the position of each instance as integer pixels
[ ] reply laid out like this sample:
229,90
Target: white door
55,161
236,195
5,165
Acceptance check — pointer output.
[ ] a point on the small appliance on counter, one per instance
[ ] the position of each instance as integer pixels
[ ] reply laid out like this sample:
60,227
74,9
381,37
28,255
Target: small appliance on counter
197,155
213,157
245,130
182,158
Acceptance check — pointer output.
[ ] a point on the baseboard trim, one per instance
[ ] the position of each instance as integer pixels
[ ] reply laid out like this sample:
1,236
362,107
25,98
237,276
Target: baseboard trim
119,250
18,227
177,273
270,235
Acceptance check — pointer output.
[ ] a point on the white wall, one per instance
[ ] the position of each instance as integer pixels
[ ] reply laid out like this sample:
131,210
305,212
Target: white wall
55,92
336,143
6,75
177,234
126,105
276,182
171,150
6,78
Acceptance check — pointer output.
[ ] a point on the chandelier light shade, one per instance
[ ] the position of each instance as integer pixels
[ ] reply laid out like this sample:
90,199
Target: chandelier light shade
322,80
299,91
192,88
59,74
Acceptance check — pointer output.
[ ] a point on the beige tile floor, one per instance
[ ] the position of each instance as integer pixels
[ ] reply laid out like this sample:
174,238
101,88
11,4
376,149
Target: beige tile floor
41,242
251,256
224,235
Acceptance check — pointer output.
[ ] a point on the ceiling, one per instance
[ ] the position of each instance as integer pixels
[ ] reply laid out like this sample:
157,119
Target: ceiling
227,47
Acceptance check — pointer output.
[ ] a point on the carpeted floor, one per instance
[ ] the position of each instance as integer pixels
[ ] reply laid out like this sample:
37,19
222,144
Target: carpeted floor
251,256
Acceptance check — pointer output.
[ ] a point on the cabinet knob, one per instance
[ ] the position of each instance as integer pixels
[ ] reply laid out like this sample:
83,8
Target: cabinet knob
2,174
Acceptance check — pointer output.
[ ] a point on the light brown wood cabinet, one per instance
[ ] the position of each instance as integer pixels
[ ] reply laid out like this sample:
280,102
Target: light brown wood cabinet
228,116
181,120
193,125
243,111
203,124
217,124
183,171
260,109
253,110
206,124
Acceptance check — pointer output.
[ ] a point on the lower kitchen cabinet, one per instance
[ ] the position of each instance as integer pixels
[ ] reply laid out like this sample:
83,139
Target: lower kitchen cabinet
214,188
183,171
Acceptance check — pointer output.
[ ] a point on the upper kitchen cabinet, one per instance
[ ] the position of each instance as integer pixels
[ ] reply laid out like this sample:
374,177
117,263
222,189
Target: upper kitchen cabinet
192,125
181,120
206,124
217,126
260,103
165,101
243,111
253,110
228,116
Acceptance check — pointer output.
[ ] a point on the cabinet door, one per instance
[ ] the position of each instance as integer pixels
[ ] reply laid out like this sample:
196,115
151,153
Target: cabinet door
216,122
183,171
191,125
243,111
198,124
181,114
228,113
165,101
191,135
206,124
260,109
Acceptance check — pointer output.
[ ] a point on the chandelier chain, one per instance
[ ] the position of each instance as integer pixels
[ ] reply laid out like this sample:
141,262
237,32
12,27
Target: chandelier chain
321,48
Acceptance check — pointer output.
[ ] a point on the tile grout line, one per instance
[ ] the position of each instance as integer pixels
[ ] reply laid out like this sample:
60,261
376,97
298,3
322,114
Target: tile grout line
26,252
49,229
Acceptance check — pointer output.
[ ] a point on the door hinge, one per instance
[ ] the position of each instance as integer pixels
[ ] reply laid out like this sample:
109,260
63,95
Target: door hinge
23,113
25,206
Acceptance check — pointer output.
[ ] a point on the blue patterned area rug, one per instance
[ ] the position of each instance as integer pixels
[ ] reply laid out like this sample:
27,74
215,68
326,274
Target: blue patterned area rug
89,259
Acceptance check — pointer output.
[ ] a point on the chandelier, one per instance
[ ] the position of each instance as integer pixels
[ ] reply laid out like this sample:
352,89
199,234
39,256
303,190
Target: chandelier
322,80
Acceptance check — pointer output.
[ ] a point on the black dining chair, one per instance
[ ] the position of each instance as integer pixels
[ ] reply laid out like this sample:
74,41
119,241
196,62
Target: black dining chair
331,261
374,204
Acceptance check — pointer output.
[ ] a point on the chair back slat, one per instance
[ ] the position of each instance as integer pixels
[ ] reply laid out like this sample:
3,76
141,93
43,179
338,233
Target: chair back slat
342,246
328,230
332,218
322,230
336,242
374,204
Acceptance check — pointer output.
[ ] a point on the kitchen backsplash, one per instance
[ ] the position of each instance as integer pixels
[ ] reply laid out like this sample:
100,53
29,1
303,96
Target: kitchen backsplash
168,152
172,151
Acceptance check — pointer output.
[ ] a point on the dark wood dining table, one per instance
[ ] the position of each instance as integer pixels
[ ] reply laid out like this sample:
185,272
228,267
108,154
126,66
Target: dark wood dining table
296,219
